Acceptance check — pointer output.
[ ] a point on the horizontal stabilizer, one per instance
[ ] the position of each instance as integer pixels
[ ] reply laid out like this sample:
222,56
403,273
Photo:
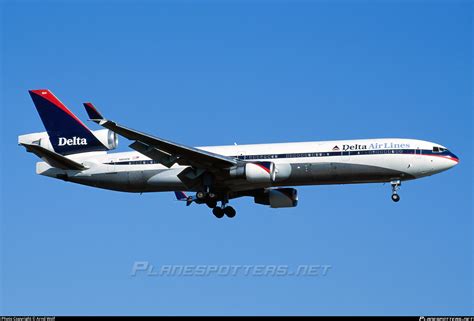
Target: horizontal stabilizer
52,158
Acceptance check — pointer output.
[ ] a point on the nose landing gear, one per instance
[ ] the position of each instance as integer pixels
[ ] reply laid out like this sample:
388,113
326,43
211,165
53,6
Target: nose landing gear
395,197
395,186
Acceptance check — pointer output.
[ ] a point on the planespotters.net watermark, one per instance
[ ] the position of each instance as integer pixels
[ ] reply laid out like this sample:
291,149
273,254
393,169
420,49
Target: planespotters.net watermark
145,268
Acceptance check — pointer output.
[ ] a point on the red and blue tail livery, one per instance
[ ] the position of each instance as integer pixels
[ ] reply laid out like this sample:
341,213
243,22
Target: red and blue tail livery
67,133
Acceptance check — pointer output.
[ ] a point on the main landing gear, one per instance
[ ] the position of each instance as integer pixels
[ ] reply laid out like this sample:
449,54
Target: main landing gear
211,201
209,198
395,186
219,212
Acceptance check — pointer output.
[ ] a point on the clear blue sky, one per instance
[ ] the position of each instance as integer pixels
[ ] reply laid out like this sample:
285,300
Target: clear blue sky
211,73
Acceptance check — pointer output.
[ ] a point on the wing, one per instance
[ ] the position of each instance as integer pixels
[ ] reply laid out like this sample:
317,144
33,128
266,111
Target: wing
164,151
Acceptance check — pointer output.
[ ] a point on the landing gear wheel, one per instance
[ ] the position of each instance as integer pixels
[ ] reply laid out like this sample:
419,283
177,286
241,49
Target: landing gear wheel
200,195
218,212
212,196
395,186
229,211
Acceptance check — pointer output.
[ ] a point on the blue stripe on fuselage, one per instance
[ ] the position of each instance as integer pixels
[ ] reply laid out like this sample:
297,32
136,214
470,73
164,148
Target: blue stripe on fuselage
446,153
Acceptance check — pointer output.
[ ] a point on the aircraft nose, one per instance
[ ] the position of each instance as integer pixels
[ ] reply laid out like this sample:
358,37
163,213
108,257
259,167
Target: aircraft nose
446,161
450,160
453,158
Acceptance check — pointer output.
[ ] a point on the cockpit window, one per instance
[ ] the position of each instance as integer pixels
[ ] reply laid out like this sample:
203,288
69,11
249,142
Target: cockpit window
437,149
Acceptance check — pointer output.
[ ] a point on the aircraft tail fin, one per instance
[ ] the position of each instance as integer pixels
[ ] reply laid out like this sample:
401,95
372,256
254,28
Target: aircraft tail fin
67,133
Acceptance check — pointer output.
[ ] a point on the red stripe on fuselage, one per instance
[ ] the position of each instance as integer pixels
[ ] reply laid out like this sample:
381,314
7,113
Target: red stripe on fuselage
442,156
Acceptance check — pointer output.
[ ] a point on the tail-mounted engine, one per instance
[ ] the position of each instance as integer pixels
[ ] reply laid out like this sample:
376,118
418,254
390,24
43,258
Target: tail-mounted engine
278,197
107,137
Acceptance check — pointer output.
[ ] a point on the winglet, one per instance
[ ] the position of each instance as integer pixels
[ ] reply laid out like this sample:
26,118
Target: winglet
93,113
181,196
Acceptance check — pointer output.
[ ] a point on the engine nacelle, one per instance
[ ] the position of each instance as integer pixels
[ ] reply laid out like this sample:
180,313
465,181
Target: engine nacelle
261,172
107,137
278,197
257,172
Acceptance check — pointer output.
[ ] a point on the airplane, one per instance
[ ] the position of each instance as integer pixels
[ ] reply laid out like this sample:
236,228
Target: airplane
70,151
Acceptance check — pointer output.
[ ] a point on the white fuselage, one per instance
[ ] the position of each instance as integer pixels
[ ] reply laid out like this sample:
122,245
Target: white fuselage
307,163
